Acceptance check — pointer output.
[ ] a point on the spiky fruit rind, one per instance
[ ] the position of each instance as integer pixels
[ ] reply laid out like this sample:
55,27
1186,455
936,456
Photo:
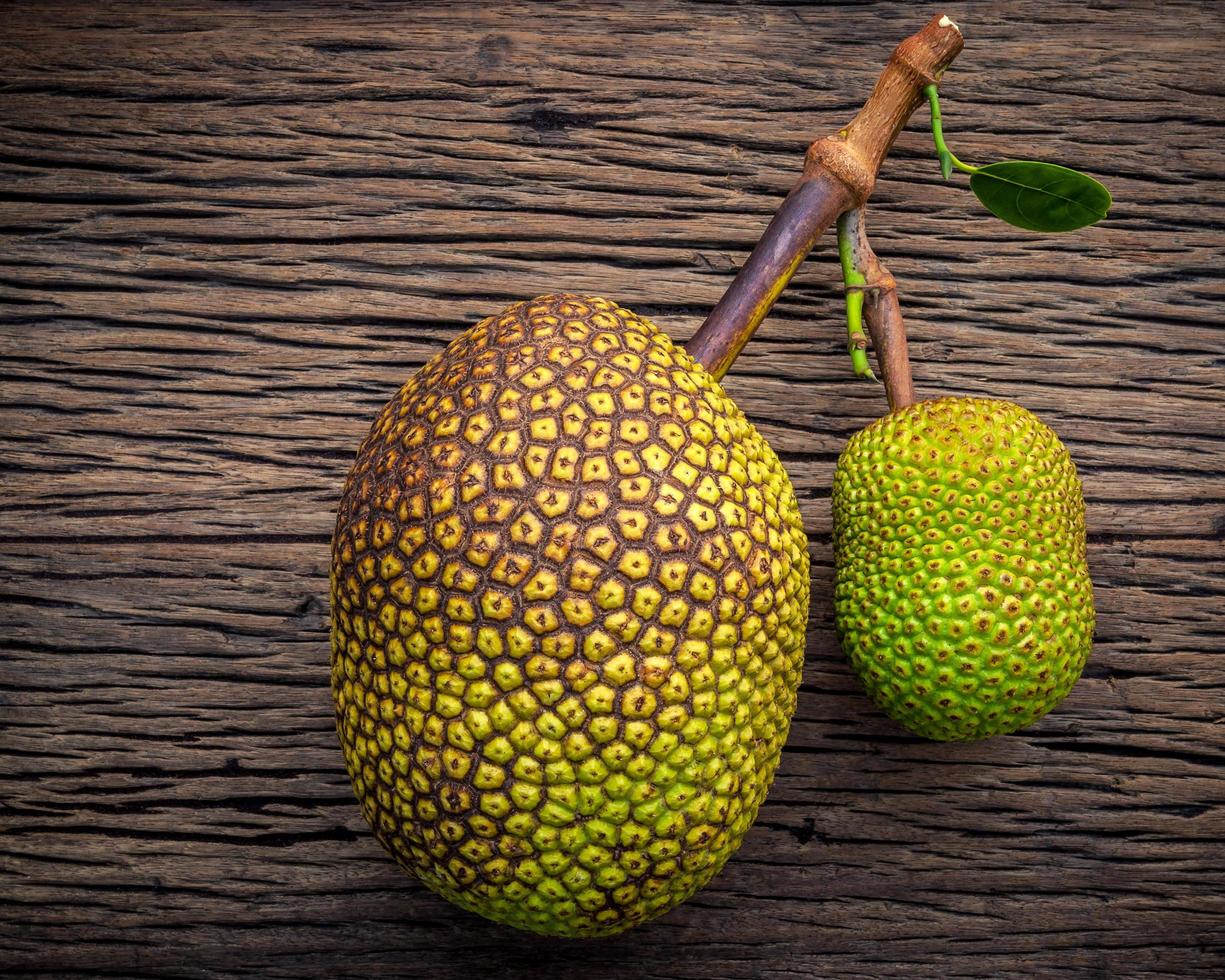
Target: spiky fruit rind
962,595
569,595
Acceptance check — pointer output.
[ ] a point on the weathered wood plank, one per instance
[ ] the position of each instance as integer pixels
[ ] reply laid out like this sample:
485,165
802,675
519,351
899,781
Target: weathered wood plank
230,232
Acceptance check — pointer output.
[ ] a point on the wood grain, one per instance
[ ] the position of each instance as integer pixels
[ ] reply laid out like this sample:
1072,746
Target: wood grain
230,232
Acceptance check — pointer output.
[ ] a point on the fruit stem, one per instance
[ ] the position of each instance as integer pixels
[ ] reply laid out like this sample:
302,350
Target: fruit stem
854,282
882,314
839,173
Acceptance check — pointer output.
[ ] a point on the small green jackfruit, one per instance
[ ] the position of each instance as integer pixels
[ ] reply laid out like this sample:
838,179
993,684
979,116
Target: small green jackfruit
962,595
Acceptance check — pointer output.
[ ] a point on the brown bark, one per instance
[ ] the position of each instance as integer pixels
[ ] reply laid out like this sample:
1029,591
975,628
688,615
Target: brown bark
839,173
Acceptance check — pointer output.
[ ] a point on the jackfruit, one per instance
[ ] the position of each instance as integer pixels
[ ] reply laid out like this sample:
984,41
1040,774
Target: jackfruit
962,596
569,596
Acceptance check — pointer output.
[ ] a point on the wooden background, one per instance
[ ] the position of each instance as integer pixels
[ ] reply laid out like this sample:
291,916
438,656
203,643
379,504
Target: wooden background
230,233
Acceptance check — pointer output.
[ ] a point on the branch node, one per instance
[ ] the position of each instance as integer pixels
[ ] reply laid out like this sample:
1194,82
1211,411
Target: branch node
884,283
839,174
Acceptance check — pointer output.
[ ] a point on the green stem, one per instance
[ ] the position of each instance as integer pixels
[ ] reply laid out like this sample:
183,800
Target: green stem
857,340
947,160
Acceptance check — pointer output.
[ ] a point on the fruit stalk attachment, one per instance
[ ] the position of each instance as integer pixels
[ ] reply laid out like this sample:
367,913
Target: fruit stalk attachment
854,283
872,300
839,174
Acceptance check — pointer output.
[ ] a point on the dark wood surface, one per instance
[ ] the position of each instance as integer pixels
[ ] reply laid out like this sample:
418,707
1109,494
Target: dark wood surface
230,233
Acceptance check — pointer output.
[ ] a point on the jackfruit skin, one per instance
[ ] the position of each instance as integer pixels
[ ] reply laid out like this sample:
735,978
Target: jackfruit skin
569,598
962,595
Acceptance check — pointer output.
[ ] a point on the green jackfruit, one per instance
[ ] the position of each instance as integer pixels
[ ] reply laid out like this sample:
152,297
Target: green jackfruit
962,595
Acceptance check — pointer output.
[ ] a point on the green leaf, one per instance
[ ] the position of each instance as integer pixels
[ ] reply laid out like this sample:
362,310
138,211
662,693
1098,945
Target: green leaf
1040,196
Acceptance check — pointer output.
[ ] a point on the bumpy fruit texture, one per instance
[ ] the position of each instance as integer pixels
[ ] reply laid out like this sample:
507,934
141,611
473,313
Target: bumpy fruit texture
962,597
569,595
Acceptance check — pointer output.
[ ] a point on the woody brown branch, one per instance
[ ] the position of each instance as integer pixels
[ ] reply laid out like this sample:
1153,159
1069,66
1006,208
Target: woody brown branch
839,174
